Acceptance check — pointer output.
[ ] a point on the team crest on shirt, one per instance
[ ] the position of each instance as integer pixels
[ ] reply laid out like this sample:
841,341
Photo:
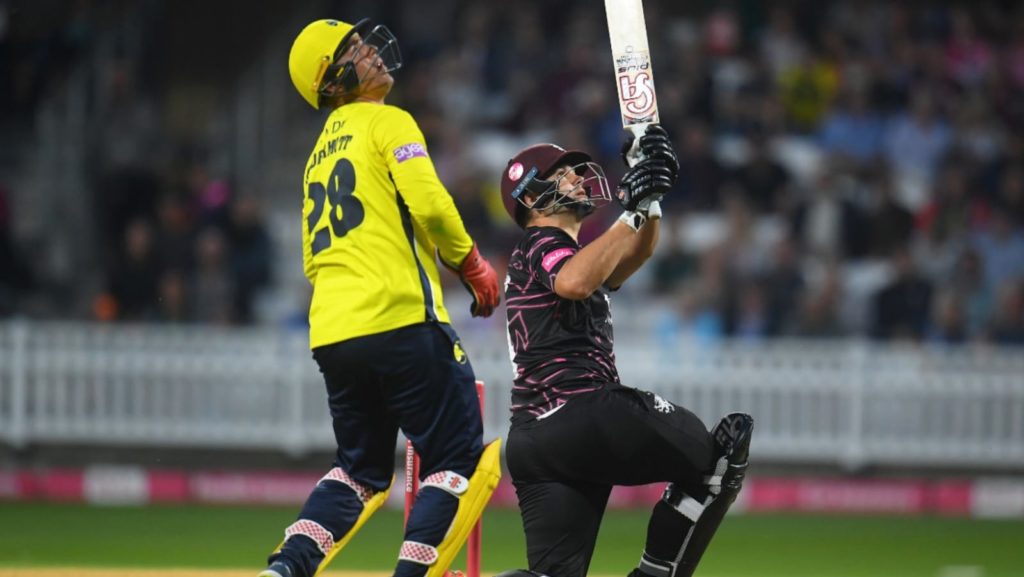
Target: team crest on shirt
661,405
459,354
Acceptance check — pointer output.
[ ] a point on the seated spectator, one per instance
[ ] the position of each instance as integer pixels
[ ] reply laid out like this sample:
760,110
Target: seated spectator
212,290
1001,247
762,179
955,210
746,255
979,134
748,318
1008,321
15,275
827,224
175,234
701,175
784,285
852,130
672,264
250,250
949,323
1010,197
889,223
807,91
780,45
916,141
173,298
698,311
945,224
819,308
969,58
133,278
122,196
693,318
901,308
1013,57
968,282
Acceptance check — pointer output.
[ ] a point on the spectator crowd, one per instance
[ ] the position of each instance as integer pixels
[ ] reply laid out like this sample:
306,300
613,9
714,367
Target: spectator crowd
849,168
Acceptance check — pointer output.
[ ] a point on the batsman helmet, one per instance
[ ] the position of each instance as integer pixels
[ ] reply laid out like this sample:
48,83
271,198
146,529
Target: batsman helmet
527,170
313,61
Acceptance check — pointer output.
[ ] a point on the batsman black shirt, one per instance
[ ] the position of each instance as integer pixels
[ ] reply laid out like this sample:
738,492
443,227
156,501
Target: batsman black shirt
559,347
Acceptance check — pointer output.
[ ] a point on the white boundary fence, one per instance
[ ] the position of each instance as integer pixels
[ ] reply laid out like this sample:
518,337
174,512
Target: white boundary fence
845,403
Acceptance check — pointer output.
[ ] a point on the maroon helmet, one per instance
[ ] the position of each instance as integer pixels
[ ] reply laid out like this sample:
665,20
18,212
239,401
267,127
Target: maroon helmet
527,170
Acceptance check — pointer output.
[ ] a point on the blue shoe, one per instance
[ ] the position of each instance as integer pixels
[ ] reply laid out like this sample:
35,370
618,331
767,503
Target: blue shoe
277,569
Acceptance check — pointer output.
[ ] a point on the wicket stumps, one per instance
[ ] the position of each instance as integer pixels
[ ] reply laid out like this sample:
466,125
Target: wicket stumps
412,484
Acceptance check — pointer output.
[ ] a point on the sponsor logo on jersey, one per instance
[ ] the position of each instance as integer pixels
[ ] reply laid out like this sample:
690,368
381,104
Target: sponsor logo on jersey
409,151
554,257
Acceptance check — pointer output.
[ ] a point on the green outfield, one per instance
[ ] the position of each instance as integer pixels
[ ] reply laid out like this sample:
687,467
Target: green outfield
48,535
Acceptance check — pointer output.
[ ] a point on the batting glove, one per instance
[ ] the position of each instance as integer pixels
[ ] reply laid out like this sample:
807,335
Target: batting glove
649,180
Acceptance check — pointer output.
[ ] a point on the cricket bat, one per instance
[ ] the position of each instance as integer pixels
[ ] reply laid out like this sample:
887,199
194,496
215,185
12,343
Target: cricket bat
634,73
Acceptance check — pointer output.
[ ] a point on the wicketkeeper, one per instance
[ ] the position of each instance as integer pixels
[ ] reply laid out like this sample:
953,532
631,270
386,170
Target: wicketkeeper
375,218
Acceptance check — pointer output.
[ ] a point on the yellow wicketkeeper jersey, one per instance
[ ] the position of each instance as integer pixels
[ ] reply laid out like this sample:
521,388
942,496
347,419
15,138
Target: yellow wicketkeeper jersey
375,214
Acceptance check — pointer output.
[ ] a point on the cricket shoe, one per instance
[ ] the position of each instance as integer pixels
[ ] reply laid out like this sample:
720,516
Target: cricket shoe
277,569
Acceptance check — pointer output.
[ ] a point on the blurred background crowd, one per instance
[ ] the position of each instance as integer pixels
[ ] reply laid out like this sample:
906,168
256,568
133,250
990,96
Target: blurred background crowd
849,168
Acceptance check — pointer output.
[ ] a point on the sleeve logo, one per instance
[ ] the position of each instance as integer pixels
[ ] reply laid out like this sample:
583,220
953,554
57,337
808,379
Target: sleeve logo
556,256
411,150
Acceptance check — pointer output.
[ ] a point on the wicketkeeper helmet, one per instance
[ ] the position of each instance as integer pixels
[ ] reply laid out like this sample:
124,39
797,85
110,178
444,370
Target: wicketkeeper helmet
313,61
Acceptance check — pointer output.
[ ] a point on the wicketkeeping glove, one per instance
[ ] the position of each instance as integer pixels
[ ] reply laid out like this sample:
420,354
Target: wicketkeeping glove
479,278
650,179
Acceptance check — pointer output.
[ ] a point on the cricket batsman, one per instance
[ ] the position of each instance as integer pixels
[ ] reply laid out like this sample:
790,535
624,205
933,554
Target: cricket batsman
576,429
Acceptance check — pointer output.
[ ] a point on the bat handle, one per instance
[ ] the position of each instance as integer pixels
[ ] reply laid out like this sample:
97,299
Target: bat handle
634,156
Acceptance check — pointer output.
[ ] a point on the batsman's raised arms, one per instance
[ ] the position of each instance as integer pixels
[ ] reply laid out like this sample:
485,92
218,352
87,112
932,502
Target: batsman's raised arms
634,79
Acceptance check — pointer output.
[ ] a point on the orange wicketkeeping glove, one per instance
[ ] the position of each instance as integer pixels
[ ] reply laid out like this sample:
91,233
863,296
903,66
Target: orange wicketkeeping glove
481,281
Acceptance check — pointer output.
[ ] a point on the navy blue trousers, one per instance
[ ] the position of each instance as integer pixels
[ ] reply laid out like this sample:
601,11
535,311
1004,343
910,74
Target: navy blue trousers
417,379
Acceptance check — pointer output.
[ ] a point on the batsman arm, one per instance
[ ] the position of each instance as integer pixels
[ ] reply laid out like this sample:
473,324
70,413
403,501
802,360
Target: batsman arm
588,269
638,250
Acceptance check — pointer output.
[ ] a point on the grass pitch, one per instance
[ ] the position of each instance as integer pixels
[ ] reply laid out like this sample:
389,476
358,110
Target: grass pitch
48,540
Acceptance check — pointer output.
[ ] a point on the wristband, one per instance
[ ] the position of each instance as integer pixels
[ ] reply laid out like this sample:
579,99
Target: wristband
633,219
651,207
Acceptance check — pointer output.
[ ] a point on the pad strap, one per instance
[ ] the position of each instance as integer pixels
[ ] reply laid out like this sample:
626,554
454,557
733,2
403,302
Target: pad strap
363,492
656,567
448,481
313,530
714,480
689,507
419,553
